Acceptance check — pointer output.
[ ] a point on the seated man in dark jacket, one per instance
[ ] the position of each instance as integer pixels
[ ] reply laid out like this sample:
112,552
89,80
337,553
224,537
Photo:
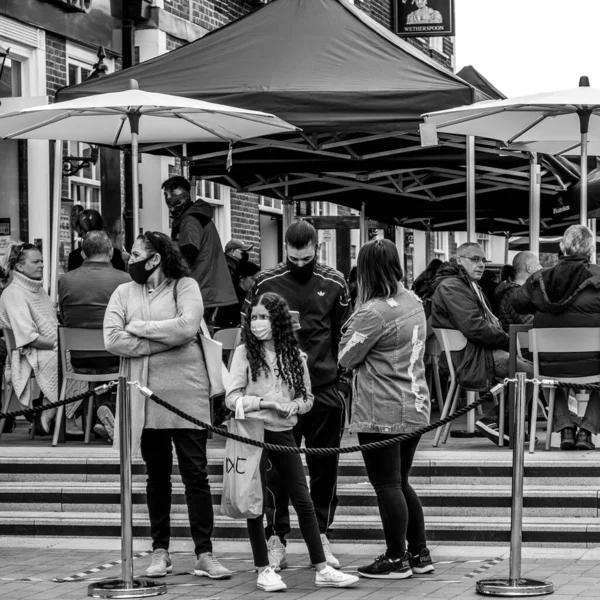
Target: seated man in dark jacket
524,264
458,303
568,295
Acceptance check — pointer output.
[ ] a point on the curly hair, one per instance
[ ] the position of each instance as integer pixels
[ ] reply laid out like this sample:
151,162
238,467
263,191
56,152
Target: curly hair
290,366
173,265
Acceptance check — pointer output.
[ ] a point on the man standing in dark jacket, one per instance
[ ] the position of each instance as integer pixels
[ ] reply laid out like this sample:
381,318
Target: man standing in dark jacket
320,295
459,303
568,295
193,228
524,264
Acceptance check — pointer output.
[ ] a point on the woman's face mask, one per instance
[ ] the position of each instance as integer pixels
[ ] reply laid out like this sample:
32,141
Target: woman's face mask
138,271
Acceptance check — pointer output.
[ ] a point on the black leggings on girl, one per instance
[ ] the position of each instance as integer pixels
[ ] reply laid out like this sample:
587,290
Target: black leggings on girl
291,470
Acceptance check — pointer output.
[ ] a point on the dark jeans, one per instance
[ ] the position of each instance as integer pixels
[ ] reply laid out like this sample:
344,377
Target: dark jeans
157,452
293,481
562,416
399,506
322,427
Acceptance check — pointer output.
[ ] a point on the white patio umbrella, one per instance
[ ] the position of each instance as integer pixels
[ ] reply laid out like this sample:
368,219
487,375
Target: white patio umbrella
561,122
131,117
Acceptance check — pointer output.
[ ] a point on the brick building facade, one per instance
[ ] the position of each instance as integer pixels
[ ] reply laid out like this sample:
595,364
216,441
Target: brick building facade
66,44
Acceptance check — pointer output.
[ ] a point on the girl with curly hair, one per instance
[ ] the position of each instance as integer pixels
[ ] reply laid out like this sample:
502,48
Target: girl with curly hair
270,378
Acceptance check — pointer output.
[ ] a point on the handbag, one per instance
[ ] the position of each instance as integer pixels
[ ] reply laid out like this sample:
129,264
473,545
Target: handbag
474,368
218,375
242,496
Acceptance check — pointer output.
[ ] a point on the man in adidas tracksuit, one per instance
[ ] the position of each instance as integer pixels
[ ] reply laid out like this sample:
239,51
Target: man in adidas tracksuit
319,293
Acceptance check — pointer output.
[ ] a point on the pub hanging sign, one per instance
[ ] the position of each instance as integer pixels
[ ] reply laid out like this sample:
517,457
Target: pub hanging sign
423,18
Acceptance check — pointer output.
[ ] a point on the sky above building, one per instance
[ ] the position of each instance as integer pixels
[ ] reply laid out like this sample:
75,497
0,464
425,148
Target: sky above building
529,46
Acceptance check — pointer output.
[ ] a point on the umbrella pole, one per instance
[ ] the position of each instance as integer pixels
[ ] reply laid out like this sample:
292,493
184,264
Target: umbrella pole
584,180
593,227
134,123
471,188
534,204
55,236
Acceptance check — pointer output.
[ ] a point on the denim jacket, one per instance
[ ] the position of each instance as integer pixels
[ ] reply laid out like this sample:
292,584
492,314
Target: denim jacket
384,343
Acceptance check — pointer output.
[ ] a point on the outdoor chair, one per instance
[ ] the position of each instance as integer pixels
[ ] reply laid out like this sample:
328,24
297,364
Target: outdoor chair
84,340
11,346
432,370
231,339
452,340
565,340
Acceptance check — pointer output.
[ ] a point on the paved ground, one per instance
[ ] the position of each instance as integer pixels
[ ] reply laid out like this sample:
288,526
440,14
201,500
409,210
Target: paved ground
28,567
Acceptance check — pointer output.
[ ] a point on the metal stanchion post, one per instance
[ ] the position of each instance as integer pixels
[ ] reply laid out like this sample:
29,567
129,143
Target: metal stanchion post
515,585
127,586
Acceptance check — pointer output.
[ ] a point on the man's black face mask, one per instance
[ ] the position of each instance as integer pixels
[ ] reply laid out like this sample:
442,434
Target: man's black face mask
302,273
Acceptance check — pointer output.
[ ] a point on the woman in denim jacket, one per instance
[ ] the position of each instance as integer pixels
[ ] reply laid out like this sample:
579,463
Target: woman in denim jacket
384,343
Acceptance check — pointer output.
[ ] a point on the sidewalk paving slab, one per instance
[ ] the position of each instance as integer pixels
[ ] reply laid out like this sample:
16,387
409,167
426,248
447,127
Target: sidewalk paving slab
574,572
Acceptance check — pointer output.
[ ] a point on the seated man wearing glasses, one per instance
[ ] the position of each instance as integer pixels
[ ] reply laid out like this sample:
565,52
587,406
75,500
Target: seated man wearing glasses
459,303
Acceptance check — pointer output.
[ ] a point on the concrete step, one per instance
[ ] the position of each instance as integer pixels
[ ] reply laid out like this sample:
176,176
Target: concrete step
565,471
354,499
581,532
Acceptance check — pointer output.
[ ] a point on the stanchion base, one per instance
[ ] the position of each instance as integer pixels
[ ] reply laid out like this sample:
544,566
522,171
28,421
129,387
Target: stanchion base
514,587
116,588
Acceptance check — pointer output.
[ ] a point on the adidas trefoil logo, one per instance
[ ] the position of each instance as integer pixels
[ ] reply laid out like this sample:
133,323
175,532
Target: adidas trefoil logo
321,293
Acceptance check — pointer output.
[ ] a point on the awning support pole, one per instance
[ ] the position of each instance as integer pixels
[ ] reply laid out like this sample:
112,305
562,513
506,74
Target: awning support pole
534,203
471,189
55,237
364,232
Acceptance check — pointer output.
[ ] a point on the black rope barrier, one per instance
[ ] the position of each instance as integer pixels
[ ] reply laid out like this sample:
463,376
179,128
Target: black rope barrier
576,387
320,451
29,412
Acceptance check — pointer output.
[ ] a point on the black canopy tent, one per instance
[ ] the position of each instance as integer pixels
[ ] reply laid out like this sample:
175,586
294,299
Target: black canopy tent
356,90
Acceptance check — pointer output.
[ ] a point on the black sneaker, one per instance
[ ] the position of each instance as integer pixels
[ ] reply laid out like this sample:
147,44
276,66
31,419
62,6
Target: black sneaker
421,563
388,568
491,430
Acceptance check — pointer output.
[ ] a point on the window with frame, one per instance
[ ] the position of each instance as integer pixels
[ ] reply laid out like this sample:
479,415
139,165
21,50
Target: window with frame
270,204
483,239
84,186
437,43
219,198
10,84
440,245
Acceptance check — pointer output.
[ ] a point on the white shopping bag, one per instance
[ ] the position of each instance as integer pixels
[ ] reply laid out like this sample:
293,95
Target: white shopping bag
242,488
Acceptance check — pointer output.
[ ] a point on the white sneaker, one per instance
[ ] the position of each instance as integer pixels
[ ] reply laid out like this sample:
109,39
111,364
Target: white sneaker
329,577
330,559
277,554
160,565
269,581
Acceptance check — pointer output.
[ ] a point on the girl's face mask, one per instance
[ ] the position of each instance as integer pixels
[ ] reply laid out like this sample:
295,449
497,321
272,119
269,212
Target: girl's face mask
261,329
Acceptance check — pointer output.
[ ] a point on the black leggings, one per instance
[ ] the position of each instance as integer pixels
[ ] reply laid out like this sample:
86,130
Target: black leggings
399,506
291,471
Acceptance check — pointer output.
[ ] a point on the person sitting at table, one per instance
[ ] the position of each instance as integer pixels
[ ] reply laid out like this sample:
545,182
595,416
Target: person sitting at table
523,265
26,309
83,296
568,295
459,303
